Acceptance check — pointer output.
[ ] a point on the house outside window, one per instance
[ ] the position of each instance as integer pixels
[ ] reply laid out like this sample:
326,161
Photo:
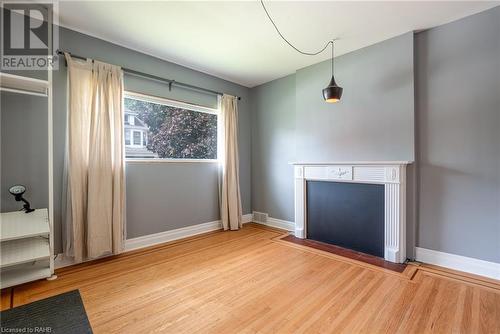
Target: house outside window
135,129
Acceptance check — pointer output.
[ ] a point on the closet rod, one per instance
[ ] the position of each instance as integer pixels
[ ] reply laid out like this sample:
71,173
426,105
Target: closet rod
170,82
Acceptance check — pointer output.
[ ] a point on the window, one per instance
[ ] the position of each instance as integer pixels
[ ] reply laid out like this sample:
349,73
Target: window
138,138
127,136
157,128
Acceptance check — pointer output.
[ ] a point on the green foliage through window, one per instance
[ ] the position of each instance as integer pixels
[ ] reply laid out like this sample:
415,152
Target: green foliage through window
171,132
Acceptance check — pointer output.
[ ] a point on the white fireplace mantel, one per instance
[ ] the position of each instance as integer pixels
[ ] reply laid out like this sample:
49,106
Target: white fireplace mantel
390,173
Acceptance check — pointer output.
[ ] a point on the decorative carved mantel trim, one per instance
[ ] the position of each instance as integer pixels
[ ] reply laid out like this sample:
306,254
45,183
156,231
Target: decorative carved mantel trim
390,173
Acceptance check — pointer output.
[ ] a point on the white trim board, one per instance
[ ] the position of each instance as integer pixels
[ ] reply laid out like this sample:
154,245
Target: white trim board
248,218
272,222
458,262
160,238
172,235
180,233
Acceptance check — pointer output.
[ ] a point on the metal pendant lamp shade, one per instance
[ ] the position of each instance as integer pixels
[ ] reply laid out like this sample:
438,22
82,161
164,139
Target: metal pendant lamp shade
332,93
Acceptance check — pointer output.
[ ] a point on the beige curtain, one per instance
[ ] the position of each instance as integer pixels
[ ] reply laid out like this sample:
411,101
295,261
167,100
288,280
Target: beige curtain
230,194
95,160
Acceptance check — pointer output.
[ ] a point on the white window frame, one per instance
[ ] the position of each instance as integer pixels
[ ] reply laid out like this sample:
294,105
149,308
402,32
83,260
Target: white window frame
183,105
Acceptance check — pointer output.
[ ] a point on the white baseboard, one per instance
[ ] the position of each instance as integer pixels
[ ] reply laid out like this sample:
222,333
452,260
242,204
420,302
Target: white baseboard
273,222
180,233
159,238
172,235
248,218
279,223
458,262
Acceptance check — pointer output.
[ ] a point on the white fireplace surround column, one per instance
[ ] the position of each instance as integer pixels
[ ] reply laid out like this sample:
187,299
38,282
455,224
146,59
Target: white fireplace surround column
392,174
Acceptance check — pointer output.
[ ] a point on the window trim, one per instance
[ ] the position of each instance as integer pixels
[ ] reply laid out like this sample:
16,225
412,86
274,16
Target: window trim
170,102
178,104
166,160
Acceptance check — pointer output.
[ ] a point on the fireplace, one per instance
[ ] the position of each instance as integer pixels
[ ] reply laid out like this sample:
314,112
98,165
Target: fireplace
350,215
379,187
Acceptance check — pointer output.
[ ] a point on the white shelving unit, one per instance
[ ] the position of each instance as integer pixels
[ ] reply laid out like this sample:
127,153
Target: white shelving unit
16,225
27,239
24,275
25,247
24,251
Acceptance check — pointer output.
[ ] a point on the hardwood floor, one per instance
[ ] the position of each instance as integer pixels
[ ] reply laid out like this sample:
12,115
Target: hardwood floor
249,281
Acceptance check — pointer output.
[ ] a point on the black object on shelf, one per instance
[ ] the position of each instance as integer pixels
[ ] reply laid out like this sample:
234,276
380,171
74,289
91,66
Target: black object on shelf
18,190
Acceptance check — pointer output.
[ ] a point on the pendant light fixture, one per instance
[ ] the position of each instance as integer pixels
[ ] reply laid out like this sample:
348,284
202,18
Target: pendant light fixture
332,93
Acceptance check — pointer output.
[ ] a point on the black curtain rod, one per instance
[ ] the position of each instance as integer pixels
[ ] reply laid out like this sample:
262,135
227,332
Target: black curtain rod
170,82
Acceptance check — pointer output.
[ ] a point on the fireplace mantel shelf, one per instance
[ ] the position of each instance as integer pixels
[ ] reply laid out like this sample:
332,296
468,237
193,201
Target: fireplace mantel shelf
359,163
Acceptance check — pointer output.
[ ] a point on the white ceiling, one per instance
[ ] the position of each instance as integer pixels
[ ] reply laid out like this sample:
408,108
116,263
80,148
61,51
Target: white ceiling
234,40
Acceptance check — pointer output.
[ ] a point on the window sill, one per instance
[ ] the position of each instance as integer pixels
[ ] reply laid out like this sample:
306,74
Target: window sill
155,161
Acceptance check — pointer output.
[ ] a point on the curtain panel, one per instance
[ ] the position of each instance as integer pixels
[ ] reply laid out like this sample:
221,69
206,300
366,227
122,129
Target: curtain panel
230,205
95,160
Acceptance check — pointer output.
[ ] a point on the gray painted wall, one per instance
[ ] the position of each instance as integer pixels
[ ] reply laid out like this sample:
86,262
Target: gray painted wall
458,121
454,186
157,199
23,149
164,196
273,147
374,121
161,196
457,136
150,203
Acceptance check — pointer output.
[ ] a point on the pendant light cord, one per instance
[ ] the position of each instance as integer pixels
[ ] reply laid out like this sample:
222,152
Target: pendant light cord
332,56
290,44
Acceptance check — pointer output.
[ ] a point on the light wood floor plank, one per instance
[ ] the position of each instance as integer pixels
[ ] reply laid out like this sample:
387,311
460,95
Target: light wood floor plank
249,281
